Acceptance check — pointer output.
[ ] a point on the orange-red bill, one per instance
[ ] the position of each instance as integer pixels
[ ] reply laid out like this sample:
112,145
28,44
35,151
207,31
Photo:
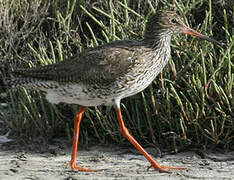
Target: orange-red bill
197,34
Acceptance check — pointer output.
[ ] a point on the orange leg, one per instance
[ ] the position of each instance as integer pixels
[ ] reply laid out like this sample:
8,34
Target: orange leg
126,133
72,163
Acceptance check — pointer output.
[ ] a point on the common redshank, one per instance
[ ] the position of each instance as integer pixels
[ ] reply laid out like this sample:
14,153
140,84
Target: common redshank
106,74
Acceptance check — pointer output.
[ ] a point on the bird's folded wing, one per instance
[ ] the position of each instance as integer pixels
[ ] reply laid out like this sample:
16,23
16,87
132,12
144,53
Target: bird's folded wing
102,64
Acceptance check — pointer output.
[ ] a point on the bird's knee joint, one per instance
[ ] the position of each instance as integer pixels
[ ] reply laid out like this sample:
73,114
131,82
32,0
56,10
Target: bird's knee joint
125,132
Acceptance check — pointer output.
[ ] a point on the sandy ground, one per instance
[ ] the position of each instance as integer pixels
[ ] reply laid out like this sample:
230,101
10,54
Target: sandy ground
115,163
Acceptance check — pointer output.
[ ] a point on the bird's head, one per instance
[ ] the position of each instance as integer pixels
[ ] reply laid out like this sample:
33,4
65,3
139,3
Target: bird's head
167,23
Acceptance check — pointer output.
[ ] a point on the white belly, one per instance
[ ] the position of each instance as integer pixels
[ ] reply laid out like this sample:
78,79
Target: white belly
56,97
75,94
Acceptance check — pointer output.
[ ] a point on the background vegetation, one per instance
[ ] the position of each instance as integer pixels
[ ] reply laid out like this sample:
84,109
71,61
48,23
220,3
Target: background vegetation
189,104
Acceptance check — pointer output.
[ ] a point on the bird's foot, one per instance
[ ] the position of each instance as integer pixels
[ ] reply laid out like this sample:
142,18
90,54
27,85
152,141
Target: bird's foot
165,168
73,165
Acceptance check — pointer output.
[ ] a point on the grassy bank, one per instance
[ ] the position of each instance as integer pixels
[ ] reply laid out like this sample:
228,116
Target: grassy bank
190,103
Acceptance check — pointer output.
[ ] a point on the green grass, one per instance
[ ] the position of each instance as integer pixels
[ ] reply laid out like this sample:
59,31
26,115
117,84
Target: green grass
190,103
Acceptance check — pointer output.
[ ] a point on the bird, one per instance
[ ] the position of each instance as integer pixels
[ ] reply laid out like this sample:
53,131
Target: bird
105,74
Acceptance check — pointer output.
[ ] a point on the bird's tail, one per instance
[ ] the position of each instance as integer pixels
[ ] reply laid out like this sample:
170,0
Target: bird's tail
10,80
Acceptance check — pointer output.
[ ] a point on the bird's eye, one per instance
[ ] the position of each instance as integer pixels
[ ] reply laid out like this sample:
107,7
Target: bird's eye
173,20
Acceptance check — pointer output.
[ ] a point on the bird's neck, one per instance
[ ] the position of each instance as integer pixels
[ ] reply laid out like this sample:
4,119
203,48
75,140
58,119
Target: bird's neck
160,50
157,41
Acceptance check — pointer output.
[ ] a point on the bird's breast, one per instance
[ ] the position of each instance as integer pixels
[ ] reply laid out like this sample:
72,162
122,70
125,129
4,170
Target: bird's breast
144,73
